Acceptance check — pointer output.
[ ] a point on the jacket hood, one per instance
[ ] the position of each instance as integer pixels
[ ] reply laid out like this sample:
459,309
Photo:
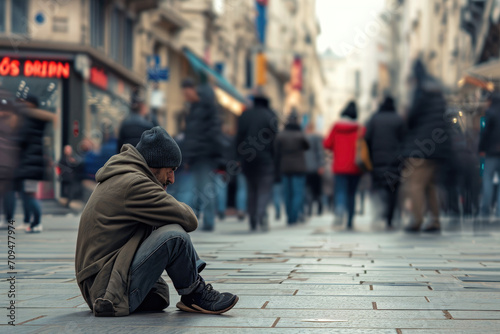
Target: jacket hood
129,160
346,126
387,105
261,101
293,127
206,93
424,81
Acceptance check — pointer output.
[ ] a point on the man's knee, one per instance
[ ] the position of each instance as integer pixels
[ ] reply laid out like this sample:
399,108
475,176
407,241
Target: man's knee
173,231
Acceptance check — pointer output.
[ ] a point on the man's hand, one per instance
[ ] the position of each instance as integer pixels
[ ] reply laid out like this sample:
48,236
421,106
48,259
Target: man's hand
321,171
482,154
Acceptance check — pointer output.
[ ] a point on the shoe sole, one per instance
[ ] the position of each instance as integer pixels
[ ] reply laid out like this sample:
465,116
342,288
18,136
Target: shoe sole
196,309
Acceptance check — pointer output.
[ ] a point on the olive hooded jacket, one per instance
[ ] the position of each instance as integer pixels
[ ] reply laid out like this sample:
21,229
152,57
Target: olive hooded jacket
126,205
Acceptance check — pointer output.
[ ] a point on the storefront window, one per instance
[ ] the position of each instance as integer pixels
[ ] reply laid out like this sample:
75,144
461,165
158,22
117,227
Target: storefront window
106,113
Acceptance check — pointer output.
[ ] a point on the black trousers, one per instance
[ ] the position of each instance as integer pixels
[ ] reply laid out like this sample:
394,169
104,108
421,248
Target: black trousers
260,188
314,192
389,196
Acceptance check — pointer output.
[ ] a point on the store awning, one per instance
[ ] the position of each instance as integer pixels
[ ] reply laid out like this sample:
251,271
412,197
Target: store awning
473,81
201,67
488,70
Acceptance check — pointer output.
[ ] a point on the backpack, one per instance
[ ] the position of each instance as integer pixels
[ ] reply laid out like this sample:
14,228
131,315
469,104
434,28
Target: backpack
362,155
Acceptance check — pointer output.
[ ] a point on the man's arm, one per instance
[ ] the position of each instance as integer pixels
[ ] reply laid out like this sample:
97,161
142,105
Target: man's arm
148,203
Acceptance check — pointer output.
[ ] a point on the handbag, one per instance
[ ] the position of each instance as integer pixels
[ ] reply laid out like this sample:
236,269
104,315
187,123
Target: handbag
362,157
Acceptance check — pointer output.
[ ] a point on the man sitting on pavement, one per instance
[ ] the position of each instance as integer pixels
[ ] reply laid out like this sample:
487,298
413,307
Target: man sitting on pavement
131,230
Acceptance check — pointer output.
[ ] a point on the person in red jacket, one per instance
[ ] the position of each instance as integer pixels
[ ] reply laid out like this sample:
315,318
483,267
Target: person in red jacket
342,142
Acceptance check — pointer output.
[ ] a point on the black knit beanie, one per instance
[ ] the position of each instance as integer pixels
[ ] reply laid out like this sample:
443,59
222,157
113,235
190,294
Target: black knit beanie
159,149
350,111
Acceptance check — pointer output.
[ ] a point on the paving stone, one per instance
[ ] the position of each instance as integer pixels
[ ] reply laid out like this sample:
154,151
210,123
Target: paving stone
290,278
485,325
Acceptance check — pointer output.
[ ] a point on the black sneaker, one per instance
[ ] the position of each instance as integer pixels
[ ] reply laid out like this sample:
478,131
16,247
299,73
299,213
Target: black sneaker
208,301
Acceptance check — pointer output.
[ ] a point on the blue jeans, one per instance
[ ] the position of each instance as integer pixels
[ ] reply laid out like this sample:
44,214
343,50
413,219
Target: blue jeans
182,189
491,165
345,196
31,206
293,193
221,187
167,248
205,191
241,192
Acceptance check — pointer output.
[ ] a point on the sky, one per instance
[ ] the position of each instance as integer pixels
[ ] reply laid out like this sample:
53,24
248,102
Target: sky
342,21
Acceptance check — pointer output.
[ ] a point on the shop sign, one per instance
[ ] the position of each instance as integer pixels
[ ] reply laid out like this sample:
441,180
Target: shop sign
155,71
98,78
34,68
76,128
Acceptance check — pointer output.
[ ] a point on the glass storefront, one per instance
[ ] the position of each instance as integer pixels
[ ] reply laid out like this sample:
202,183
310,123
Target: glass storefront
106,113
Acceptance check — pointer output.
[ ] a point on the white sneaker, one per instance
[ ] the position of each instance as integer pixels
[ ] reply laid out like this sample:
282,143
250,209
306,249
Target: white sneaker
36,229
23,226
4,226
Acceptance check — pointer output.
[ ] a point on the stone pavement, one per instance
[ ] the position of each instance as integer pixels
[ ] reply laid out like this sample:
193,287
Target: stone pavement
305,279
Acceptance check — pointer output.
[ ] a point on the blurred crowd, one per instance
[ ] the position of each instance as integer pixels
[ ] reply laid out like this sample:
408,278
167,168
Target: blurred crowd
418,164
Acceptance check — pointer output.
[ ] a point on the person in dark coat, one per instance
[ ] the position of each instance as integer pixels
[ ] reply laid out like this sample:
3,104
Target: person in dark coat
489,146
10,122
342,142
315,160
32,163
202,147
291,145
255,139
135,123
384,133
71,174
426,147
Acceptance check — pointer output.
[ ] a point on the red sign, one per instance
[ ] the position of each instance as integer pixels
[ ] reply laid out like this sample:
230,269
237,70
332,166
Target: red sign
34,68
98,78
76,128
296,74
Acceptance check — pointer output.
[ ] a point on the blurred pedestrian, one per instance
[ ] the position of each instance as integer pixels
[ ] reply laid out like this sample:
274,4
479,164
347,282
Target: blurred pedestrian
202,148
426,147
291,145
315,159
135,123
222,178
182,189
257,128
10,122
384,133
32,163
489,147
71,175
131,231
342,142
460,175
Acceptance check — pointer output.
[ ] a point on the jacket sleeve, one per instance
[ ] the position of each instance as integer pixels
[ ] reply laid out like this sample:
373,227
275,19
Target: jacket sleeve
328,142
306,144
321,151
484,138
148,203
369,134
240,136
